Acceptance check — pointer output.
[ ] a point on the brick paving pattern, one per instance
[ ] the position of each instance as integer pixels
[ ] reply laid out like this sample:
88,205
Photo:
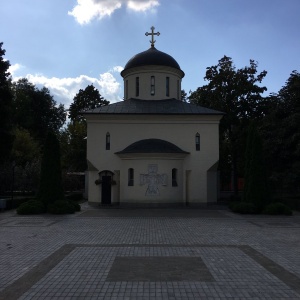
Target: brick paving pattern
186,253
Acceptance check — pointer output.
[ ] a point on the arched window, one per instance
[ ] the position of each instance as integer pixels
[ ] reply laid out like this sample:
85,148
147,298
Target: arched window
152,88
174,177
107,141
197,141
130,177
167,86
137,86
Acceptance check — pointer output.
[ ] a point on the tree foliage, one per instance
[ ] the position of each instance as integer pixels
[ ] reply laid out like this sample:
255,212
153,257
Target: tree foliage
86,99
281,132
256,185
6,109
25,149
36,110
233,91
51,189
73,136
73,141
236,92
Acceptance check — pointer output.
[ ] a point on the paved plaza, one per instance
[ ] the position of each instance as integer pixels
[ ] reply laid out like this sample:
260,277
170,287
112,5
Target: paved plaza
176,253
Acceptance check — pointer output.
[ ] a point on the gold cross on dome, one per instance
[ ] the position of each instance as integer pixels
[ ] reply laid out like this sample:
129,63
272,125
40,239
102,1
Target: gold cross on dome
152,33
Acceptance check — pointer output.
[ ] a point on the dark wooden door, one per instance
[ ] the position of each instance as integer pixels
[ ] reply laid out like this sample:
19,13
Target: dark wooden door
106,190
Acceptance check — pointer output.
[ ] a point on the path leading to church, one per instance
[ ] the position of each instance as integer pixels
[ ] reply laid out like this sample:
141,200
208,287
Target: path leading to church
149,254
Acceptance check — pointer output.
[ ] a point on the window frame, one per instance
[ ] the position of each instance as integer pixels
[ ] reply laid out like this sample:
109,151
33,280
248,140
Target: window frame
107,141
126,90
167,86
174,177
197,141
137,86
152,85
130,177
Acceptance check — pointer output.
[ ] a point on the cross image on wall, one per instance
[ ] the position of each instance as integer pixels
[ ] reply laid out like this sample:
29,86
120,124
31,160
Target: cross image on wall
153,179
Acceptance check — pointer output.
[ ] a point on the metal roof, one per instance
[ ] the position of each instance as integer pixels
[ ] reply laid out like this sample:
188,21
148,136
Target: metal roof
155,107
152,56
152,146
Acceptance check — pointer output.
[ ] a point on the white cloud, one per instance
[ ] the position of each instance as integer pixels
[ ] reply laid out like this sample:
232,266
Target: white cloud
116,69
14,68
64,89
87,10
140,5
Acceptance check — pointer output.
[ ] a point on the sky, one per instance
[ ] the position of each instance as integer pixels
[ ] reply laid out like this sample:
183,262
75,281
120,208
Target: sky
66,45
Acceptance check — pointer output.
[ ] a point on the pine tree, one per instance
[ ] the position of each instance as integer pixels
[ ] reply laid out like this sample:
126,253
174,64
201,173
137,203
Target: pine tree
51,188
255,190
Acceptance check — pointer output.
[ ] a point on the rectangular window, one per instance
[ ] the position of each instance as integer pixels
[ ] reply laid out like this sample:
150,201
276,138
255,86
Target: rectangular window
137,86
197,141
167,86
174,177
152,85
126,90
130,177
107,142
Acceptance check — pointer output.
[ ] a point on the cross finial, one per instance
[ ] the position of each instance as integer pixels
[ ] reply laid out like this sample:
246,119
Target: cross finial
152,33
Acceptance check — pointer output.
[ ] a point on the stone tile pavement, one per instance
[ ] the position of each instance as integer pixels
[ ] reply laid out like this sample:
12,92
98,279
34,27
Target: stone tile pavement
176,253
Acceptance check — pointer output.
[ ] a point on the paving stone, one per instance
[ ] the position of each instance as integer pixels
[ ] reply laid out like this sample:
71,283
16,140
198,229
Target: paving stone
76,256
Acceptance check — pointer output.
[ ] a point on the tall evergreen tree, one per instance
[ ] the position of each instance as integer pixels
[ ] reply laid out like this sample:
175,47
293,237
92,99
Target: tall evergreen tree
51,188
256,187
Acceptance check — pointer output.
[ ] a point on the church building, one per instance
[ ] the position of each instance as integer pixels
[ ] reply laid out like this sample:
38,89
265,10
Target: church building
152,148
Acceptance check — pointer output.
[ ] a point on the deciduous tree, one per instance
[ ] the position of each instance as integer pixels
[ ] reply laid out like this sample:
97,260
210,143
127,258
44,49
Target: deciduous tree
73,136
238,93
6,109
281,133
36,110
86,99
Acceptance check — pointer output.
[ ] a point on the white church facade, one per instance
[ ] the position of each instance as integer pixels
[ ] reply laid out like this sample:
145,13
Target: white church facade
152,148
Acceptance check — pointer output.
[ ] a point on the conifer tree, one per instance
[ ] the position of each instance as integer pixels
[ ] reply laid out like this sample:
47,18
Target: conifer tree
255,190
51,188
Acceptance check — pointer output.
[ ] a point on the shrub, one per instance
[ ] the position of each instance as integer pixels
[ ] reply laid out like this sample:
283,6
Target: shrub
31,207
278,209
61,207
76,206
74,197
243,207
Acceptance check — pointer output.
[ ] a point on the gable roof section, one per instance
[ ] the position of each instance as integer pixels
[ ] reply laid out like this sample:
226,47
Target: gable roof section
164,107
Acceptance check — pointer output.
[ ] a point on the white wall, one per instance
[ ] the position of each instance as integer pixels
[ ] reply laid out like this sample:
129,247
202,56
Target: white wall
160,73
179,130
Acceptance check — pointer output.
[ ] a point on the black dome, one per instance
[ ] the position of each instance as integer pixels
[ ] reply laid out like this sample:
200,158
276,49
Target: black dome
152,56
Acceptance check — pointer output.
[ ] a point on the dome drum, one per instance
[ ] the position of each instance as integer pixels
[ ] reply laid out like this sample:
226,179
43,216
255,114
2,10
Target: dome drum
152,75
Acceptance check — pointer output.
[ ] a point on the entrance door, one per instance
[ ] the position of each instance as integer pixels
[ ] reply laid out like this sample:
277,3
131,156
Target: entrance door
106,190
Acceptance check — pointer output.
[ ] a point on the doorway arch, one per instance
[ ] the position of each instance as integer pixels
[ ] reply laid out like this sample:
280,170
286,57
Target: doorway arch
106,179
